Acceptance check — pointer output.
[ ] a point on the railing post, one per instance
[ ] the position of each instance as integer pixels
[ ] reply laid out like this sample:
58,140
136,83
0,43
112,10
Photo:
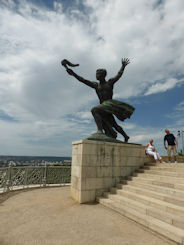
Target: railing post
45,176
8,181
26,175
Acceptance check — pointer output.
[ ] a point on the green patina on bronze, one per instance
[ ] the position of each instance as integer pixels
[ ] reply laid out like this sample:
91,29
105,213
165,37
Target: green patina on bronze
120,109
102,137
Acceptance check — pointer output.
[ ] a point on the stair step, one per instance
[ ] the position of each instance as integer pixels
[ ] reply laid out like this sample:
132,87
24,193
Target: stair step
126,202
167,230
159,189
169,165
160,196
144,208
160,177
165,206
163,173
176,220
170,179
177,169
152,181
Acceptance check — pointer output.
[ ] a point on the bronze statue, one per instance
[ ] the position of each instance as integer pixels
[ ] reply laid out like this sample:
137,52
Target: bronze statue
105,111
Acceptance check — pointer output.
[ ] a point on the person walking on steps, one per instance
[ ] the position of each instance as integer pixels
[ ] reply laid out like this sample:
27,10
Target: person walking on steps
172,144
150,150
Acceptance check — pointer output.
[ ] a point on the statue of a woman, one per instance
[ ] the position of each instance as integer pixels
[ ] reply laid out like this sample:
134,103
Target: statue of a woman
108,108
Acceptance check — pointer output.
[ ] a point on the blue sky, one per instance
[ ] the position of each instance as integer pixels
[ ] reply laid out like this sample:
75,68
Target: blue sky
42,109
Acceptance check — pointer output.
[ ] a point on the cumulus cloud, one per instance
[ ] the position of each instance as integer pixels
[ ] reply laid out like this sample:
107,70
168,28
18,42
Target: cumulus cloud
145,32
35,90
180,107
178,114
162,87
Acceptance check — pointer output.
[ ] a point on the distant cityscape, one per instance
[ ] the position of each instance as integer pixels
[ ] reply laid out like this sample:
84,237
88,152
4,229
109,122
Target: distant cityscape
6,161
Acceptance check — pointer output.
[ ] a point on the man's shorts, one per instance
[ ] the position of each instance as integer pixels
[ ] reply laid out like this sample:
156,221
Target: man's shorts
171,148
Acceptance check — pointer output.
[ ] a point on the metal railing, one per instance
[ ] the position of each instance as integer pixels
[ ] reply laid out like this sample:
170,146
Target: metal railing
11,177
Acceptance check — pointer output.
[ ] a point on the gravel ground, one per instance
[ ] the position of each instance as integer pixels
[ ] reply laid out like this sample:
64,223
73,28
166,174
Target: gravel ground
49,216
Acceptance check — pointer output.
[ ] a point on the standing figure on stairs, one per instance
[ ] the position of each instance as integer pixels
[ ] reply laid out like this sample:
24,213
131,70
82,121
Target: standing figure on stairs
108,108
150,150
172,144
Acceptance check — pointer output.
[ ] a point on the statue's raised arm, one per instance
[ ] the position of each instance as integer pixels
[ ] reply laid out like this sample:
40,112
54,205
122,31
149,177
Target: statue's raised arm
124,62
67,63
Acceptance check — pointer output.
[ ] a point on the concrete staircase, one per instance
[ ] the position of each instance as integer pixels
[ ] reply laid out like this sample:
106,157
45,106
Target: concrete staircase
154,197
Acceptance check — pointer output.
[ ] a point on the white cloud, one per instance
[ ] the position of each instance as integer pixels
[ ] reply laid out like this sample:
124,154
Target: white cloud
177,113
162,87
180,107
84,115
35,89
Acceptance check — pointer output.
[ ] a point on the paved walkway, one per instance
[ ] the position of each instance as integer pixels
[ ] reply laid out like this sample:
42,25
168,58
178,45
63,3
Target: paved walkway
50,217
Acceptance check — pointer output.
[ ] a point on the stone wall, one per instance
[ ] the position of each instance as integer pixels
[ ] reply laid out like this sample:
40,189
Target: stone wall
97,166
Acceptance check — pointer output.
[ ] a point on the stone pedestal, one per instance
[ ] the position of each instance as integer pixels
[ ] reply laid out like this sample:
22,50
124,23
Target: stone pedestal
97,166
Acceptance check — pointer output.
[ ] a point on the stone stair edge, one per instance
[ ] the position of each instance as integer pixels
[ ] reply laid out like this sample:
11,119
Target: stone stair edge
157,172
149,186
152,200
162,168
146,221
157,169
153,192
142,206
147,209
172,164
146,175
134,178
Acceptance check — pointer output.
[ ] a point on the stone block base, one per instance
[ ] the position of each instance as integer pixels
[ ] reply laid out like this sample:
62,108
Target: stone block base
98,166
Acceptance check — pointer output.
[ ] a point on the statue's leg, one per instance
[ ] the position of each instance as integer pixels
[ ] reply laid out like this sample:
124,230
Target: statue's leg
120,130
108,125
98,118
109,130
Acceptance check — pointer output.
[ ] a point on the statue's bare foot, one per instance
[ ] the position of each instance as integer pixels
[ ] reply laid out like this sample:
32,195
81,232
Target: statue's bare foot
127,138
